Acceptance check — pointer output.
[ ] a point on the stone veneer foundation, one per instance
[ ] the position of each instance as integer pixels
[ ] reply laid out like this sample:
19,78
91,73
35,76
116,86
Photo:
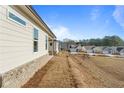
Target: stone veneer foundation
18,76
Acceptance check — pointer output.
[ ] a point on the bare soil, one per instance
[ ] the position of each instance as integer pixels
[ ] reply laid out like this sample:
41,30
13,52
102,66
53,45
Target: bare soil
55,74
74,71
108,70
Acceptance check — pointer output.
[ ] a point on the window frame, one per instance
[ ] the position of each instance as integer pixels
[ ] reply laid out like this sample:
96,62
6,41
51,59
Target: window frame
35,50
46,42
35,39
35,34
17,15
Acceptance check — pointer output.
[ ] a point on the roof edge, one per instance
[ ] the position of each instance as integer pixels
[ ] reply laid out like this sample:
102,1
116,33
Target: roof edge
39,18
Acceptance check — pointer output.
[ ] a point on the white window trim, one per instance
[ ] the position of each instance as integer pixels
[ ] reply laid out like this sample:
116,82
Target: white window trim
46,42
37,48
16,14
36,40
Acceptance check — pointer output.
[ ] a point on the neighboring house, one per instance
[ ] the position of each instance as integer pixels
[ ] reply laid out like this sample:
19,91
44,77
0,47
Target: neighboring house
59,45
66,45
79,48
98,49
24,44
108,50
88,49
113,50
83,49
73,48
122,52
118,49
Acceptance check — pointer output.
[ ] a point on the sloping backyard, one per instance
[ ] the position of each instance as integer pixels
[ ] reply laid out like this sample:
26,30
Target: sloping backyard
68,71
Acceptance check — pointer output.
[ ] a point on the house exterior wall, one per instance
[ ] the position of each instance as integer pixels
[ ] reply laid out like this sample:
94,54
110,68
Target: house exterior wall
122,52
57,47
16,41
50,47
53,47
20,75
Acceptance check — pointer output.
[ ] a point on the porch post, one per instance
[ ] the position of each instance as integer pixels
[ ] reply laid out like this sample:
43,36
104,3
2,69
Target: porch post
52,47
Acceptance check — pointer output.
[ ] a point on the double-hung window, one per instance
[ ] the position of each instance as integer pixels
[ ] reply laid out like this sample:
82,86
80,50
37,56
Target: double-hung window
35,34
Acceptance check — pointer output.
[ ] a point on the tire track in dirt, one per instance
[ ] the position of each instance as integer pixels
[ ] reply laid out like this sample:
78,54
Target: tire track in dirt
70,71
37,77
106,78
55,74
83,75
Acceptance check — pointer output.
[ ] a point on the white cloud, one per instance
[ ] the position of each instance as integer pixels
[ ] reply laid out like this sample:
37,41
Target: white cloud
62,32
118,15
95,14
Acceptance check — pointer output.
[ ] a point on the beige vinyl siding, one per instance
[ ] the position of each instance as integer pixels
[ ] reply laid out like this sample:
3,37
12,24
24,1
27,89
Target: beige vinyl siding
16,42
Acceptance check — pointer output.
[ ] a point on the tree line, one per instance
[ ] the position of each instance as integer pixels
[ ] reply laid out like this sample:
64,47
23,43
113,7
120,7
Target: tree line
106,41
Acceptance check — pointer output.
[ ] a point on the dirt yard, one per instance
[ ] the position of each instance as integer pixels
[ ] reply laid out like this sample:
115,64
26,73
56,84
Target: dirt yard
74,71
55,74
108,70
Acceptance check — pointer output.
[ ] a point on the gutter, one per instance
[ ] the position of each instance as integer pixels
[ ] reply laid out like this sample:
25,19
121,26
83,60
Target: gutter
36,14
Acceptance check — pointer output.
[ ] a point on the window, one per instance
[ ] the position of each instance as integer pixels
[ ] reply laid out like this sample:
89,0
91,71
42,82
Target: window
35,46
46,39
35,34
35,40
16,19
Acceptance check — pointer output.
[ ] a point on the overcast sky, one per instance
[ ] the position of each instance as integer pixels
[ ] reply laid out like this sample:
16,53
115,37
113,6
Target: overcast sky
83,22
